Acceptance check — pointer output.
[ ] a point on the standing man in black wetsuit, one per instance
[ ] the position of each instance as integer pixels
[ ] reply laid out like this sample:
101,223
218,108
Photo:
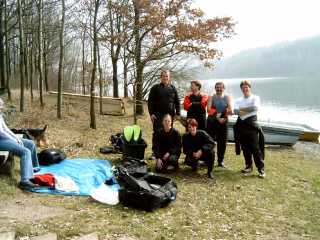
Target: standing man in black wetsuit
163,99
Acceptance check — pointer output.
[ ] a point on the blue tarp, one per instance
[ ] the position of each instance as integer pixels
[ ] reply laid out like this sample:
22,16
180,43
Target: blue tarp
86,173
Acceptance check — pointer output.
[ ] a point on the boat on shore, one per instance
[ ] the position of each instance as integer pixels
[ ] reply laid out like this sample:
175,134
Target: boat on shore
276,133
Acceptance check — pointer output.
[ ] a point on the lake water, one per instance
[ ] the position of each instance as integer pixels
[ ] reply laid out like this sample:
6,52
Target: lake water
283,99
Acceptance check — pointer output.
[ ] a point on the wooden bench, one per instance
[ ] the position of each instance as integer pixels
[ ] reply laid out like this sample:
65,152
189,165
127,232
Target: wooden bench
110,105
6,163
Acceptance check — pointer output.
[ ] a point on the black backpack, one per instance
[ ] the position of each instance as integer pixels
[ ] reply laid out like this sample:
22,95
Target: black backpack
51,156
117,141
147,192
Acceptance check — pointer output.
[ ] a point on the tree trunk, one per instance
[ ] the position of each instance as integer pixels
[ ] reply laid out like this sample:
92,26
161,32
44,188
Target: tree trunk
45,62
8,66
2,66
93,76
26,62
60,74
83,64
40,48
31,70
21,38
138,63
125,73
100,81
115,77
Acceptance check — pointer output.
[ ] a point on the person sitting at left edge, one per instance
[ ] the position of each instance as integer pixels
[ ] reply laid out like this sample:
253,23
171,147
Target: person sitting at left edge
23,148
198,145
167,148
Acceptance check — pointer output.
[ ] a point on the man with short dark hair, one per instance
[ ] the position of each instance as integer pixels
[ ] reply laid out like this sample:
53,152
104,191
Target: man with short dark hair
163,99
219,107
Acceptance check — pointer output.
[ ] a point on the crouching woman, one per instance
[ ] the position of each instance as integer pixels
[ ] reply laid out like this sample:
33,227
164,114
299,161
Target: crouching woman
23,148
198,145
167,146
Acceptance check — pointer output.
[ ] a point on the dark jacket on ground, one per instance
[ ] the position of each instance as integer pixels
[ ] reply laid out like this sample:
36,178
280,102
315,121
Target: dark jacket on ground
245,127
192,144
163,100
167,142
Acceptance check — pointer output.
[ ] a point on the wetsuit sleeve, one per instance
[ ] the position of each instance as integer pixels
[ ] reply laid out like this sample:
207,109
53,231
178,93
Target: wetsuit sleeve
187,102
176,149
156,144
208,142
204,101
186,145
151,100
177,102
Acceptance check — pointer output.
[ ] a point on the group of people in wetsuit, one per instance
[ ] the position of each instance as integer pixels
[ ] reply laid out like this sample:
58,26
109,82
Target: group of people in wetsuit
207,124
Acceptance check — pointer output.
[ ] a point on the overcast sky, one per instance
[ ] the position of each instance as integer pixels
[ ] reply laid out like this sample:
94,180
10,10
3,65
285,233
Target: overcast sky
265,22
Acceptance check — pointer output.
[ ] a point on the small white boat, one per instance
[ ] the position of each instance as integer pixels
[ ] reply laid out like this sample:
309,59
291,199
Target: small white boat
277,133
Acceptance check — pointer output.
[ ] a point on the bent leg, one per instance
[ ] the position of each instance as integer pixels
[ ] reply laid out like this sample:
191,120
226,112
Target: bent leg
208,158
26,169
192,162
32,147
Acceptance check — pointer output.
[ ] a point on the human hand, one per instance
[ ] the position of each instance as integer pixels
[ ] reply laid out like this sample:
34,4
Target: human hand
159,163
166,156
241,113
153,118
221,120
197,154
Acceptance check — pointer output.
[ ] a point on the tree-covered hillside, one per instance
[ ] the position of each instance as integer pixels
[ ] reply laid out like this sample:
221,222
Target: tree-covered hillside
297,58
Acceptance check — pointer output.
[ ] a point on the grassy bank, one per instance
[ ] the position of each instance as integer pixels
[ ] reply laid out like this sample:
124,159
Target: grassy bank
285,205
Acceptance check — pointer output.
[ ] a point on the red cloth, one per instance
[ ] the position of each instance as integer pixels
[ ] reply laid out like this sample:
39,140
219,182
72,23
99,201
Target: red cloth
46,179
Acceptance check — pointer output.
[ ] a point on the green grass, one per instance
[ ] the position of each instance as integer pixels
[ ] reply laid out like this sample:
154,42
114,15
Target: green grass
285,205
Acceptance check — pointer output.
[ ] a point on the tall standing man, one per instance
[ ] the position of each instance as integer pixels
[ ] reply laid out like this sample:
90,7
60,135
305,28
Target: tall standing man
163,99
219,107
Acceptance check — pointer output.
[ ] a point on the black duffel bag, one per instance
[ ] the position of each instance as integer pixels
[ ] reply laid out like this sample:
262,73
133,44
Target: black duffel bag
148,192
51,156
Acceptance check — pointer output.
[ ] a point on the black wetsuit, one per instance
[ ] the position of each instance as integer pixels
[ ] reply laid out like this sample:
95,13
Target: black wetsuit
249,136
194,143
168,142
162,100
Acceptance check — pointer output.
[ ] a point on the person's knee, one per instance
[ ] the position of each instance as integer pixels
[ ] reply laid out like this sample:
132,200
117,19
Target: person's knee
25,152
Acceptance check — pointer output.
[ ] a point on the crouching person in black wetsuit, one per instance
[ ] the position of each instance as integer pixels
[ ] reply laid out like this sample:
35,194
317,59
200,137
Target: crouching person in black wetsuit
198,145
167,146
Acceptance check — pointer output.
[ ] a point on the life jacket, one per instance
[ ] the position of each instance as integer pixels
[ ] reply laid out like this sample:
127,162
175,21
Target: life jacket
188,101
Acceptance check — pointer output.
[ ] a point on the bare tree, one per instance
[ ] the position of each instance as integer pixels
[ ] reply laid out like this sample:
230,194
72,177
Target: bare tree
2,61
21,40
60,74
8,64
94,62
40,48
